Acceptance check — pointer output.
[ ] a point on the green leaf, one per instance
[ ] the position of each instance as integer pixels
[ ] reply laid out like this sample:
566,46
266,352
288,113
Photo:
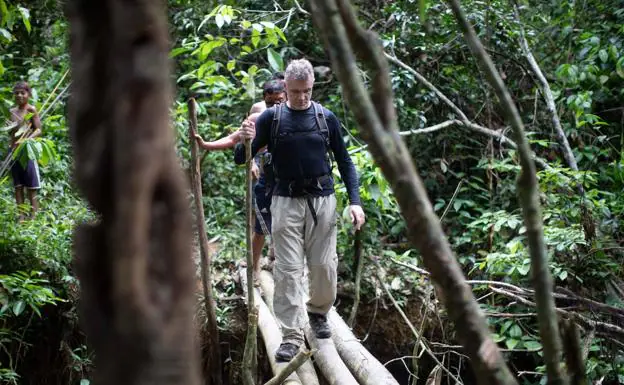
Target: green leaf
603,55
275,60
4,12
25,17
255,37
219,20
280,33
245,24
18,307
619,67
532,345
257,27
515,332
6,34
177,51
1,68
231,65
511,343
524,269
497,338
84,381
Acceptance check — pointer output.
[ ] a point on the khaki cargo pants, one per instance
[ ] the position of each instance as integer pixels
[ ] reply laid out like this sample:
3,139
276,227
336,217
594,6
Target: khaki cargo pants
297,241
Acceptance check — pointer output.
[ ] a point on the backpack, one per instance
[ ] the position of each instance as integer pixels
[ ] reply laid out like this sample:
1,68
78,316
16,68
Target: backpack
321,124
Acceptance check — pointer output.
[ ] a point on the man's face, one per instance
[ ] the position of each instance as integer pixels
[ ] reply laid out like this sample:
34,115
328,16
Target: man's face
276,98
299,93
21,96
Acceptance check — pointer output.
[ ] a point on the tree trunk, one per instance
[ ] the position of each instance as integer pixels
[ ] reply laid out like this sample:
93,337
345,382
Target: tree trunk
528,195
134,263
376,117
328,360
213,371
587,220
271,334
306,372
364,366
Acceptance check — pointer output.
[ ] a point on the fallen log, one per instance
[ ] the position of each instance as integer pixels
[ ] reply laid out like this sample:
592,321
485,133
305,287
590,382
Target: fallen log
271,334
362,364
328,360
306,372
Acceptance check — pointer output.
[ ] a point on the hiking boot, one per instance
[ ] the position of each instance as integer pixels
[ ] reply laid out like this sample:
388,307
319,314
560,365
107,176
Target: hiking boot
286,352
319,325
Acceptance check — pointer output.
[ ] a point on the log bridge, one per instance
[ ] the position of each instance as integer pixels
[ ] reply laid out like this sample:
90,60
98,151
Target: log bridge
342,360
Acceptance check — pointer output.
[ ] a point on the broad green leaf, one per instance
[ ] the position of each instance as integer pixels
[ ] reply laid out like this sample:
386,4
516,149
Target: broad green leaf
275,60
619,67
250,87
255,38
280,33
18,307
257,27
4,12
6,34
603,55
219,20
268,24
231,65
84,381
177,51
245,24
511,343
532,345
1,68
515,332
497,338
25,17
524,269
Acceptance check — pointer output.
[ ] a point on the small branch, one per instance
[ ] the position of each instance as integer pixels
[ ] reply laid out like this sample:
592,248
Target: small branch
293,365
359,263
421,79
433,128
609,329
214,358
419,338
573,353
250,356
452,199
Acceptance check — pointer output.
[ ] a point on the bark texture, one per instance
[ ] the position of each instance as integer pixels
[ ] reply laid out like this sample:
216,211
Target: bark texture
211,334
134,263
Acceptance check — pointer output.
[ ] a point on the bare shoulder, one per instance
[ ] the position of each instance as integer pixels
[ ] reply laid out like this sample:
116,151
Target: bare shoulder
258,107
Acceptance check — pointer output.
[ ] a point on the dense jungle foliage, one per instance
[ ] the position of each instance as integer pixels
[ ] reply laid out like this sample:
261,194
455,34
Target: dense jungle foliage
222,54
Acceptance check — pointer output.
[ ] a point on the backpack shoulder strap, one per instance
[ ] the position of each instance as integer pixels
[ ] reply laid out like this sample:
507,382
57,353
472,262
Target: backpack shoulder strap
321,122
277,116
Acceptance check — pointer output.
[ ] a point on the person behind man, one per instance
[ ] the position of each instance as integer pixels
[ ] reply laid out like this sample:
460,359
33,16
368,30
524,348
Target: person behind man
23,115
300,134
272,93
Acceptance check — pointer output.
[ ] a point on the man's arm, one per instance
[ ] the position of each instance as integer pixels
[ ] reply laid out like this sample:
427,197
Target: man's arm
220,144
345,164
261,134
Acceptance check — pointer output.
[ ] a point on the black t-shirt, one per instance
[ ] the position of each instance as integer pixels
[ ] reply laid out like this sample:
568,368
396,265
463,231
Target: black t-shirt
300,151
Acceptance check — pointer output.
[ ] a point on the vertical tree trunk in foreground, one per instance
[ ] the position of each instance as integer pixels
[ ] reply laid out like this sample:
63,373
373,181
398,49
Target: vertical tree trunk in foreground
376,117
213,371
528,194
134,263
250,355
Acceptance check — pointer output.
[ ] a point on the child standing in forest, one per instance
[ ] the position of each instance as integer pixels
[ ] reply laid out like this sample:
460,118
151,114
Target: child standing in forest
24,115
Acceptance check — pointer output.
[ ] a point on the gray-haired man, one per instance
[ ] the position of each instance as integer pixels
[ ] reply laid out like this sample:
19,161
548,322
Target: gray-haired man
302,136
